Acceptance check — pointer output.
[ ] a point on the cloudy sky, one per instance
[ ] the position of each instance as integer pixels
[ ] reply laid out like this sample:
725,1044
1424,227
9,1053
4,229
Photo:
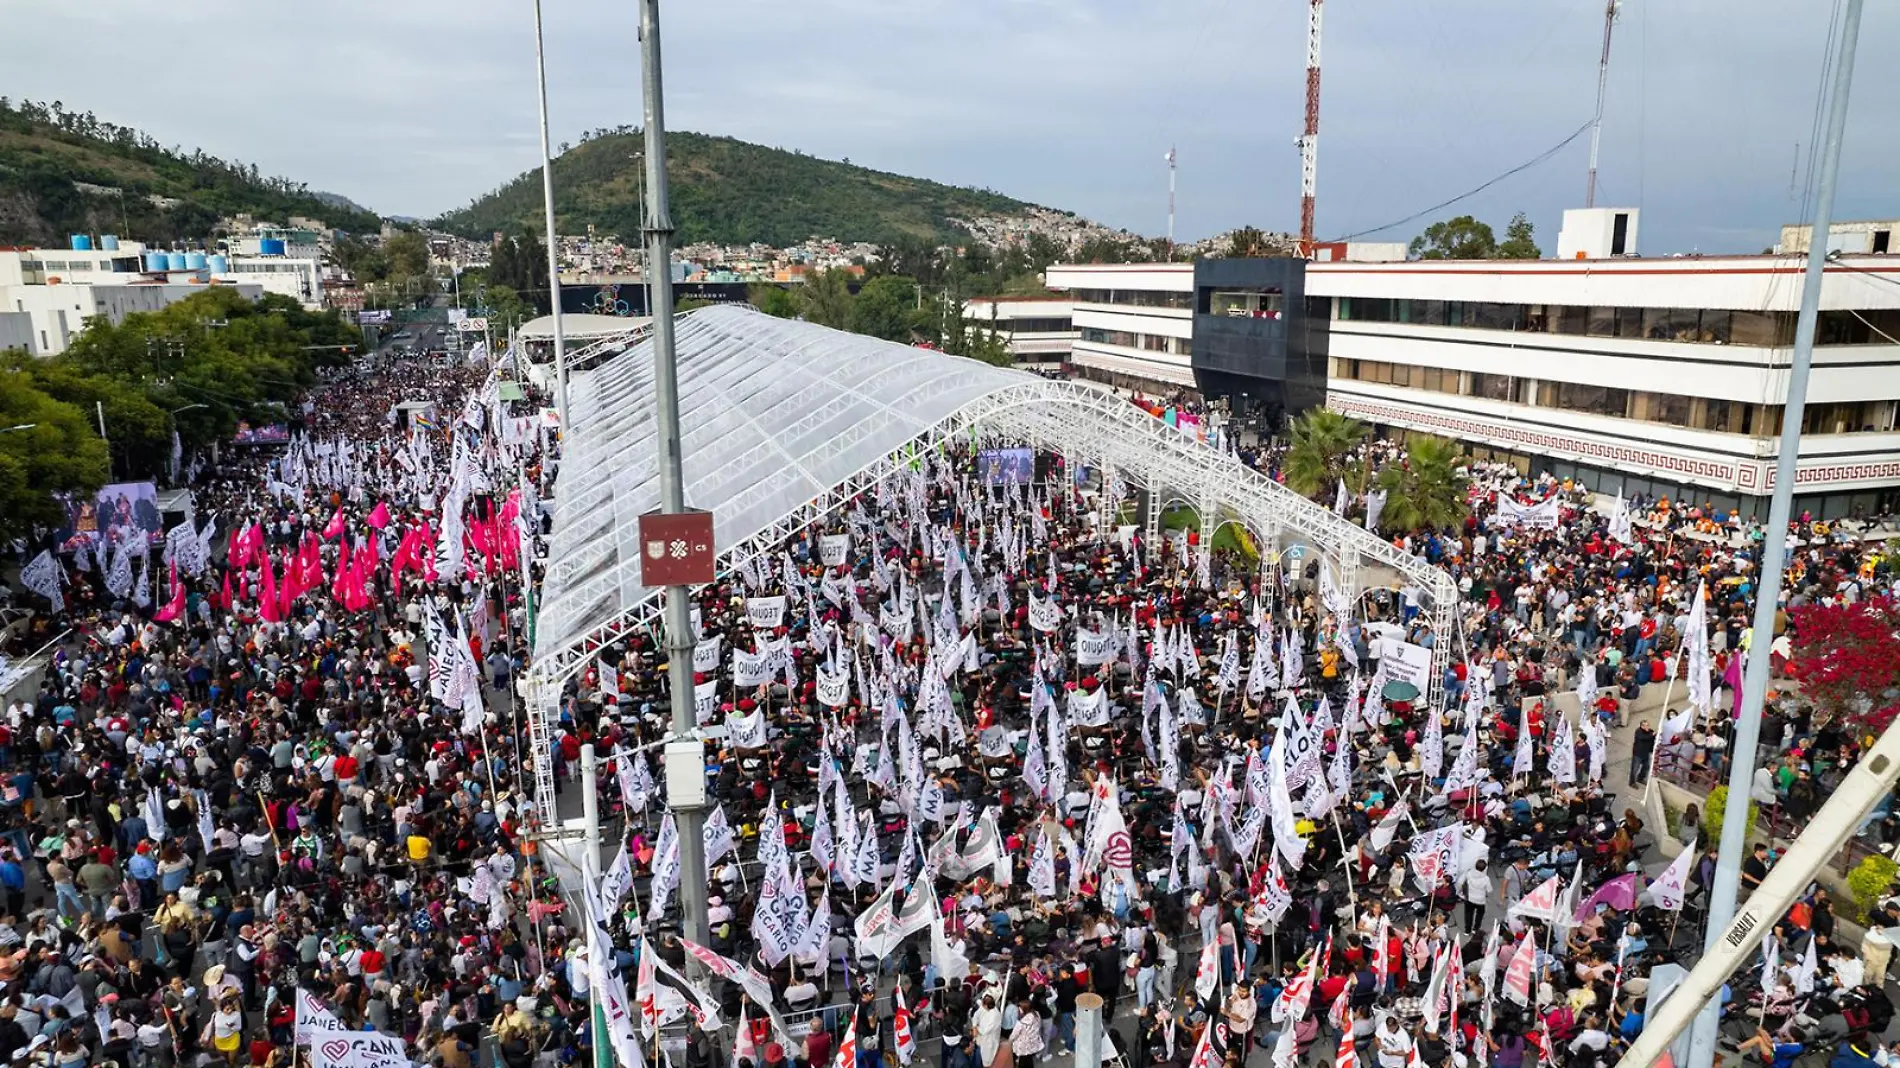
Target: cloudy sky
416,106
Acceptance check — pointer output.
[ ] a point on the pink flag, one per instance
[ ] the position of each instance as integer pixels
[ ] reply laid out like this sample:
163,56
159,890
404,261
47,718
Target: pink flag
267,606
224,597
379,516
171,611
335,526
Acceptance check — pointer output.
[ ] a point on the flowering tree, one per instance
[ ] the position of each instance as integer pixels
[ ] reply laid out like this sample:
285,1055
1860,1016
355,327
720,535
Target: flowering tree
1847,659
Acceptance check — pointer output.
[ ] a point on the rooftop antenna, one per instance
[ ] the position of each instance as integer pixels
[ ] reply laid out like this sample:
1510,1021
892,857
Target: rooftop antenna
1309,141
1603,86
1170,159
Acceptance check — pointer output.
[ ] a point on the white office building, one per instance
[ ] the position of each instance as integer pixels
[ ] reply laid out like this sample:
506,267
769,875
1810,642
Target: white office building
47,295
1040,331
1656,376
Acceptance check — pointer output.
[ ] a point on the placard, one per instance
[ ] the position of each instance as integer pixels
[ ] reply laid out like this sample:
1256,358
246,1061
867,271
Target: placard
765,613
1093,647
834,549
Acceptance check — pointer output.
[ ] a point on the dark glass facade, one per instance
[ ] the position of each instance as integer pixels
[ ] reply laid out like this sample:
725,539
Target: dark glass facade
1259,342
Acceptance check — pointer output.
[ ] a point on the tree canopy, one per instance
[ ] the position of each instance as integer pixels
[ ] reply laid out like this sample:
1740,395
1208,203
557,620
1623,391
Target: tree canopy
1467,238
199,366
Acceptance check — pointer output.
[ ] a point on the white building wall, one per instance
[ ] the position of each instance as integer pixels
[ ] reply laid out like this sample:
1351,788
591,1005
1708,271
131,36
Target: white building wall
1753,375
299,279
16,331
1172,369
57,314
1027,343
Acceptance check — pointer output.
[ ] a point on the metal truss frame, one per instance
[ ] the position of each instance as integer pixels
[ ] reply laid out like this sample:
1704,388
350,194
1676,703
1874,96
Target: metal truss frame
1081,422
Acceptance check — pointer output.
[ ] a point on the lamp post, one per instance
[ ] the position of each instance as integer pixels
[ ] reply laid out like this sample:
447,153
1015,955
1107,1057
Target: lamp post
21,426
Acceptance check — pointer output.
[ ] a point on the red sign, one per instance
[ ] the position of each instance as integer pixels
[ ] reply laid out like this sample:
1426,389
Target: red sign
676,550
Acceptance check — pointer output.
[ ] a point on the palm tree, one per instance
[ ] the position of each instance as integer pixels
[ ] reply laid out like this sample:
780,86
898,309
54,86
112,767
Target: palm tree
1319,454
1425,490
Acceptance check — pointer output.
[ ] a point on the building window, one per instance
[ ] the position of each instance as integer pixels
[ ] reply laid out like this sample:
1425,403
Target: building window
1493,387
1595,400
1244,303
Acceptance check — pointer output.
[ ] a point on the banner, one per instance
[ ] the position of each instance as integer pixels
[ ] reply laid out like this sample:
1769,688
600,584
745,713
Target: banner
1045,615
1095,647
706,655
834,688
765,613
1405,662
358,1049
834,549
1540,516
751,669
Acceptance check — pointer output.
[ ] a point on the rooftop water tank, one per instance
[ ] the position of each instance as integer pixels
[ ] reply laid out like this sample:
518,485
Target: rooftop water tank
155,261
174,261
270,246
220,265
82,243
109,242
194,261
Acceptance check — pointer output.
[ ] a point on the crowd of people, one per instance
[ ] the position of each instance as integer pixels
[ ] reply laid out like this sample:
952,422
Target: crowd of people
974,750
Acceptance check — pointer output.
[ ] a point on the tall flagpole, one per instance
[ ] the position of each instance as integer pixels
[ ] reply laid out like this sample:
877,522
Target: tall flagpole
1723,891
554,242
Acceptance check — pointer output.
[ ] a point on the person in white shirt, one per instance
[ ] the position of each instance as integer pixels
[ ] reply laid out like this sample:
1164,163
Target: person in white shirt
1392,1044
1476,888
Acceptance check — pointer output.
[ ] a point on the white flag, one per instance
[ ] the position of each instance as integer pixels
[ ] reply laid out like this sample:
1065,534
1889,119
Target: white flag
1671,887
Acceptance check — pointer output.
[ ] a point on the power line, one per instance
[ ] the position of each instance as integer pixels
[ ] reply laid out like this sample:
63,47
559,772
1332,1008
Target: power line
1526,165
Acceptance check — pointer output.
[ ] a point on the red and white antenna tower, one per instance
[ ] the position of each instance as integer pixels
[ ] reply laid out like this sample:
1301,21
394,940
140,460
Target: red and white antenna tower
1309,141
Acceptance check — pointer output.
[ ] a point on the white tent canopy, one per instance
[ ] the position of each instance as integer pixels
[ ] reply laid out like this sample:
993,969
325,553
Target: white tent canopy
783,421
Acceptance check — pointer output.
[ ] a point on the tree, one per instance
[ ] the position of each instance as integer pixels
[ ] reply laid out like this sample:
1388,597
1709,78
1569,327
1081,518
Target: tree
686,304
1518,244
58,453
826,298
773,300
1462,238
1246,242
1424,491
886,307
505,307
1321,450
1848,661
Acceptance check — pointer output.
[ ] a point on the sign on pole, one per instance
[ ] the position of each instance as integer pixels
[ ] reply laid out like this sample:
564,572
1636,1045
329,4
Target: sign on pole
676,549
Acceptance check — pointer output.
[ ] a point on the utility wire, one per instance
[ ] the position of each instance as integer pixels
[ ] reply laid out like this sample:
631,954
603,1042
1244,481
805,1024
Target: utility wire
1526,165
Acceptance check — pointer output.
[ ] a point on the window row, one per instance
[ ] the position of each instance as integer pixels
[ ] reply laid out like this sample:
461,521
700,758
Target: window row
1034,326
1673,409
1717,326
1173,346
1140,298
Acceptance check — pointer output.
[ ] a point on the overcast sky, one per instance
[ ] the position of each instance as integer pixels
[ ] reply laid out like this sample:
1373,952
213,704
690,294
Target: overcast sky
416,106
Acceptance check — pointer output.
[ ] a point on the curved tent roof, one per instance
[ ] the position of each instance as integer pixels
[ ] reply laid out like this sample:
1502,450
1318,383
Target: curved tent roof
783,421
773,413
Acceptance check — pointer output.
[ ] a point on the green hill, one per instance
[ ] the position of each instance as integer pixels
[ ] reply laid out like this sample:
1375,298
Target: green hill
65,173
731,192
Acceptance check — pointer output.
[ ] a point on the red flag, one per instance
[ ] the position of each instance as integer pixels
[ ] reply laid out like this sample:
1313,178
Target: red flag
1348,1056
224,597
379,516
336,525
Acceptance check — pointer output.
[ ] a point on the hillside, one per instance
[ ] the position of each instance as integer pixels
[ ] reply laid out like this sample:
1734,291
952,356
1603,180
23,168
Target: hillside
731,192
63,173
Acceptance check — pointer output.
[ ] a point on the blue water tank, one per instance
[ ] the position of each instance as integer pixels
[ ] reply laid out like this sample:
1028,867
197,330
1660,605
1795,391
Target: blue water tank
174,261
109,242
270,246
82,243
194,261
155,261
220,265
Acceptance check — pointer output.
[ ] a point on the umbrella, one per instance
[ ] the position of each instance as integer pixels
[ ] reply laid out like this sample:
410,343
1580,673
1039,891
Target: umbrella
1398,690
